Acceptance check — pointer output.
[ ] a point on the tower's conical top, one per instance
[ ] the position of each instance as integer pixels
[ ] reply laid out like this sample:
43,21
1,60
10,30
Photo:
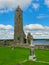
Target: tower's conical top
18,8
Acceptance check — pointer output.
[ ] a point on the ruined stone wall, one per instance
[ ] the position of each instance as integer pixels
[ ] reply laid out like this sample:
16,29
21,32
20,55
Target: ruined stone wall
6,42
11,43
42,46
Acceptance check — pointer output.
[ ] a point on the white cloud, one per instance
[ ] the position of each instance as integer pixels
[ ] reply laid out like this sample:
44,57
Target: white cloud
47,3
9,4
4,34
6,31
36,27
6,27
42,16
5,10
35,5
9,27
39,34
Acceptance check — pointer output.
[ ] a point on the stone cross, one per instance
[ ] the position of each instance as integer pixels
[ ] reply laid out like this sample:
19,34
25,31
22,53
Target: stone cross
32,54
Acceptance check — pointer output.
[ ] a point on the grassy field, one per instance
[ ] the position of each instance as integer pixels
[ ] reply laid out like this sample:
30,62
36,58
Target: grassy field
42,55
12,57
34,63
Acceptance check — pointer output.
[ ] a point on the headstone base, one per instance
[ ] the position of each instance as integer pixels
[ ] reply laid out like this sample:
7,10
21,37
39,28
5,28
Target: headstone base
33,58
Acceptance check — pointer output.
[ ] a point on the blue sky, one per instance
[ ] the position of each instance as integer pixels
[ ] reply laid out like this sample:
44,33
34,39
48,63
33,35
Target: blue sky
35,17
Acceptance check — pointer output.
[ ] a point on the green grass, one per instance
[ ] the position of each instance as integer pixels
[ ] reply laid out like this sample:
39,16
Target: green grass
12,57
42,55
34,63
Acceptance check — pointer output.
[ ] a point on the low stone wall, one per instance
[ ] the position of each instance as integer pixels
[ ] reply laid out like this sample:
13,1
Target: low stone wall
42,46
1,42
6,42
11,43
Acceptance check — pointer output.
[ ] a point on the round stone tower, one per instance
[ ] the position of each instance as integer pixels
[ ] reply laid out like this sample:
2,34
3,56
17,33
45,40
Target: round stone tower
19,34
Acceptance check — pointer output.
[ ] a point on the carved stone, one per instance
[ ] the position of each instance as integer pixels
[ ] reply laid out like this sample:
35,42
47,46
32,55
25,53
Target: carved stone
32,54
